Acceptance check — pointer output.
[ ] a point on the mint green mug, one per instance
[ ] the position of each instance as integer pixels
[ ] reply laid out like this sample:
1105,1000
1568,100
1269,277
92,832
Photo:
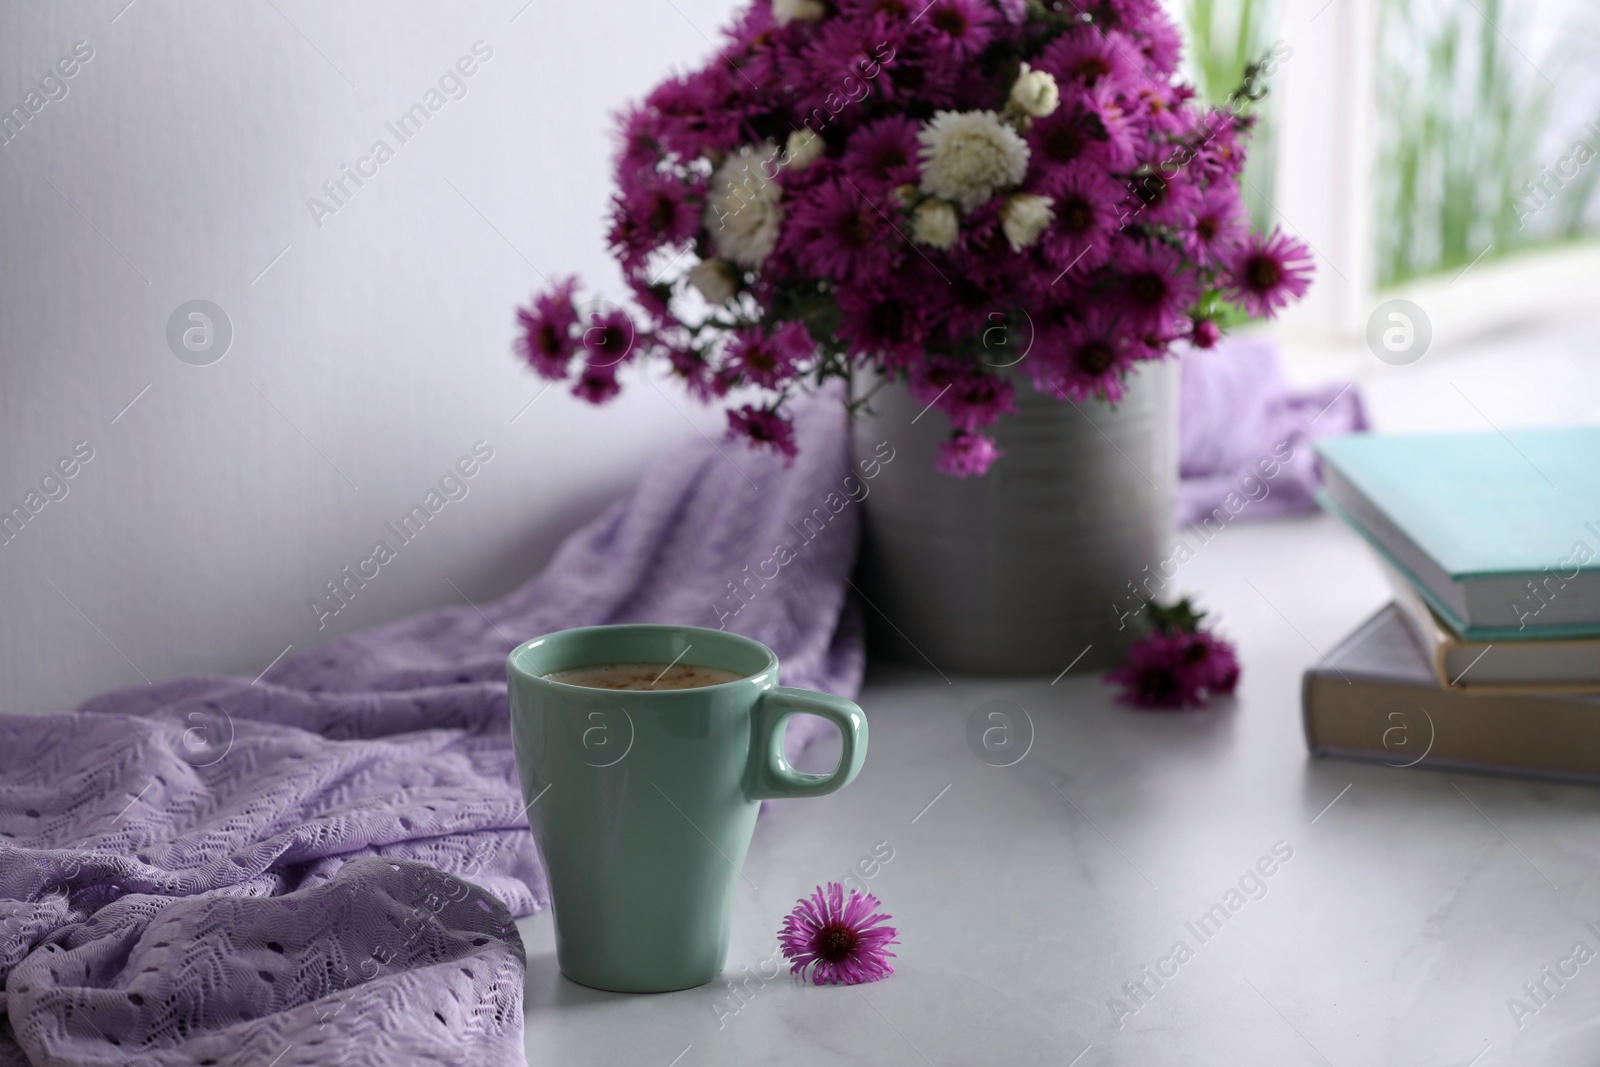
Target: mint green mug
643,802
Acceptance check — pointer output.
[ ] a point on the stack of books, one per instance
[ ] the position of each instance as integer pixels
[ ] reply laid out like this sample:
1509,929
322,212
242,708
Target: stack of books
1489,656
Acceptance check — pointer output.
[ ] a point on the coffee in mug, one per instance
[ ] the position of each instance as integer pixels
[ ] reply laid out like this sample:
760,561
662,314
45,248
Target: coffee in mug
644,676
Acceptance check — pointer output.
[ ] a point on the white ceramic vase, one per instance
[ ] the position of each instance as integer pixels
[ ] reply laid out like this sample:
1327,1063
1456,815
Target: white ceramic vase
1027,569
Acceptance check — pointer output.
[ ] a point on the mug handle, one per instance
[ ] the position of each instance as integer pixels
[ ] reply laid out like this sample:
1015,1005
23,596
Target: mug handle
770,776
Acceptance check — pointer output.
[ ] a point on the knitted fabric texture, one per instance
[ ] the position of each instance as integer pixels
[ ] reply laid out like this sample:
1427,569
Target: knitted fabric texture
322,867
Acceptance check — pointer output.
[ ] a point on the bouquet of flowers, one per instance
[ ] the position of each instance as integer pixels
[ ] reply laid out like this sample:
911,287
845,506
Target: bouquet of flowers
919,189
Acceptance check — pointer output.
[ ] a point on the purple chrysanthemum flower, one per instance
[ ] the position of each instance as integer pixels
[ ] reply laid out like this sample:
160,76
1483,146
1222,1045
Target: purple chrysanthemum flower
639,147
651,210
863,44
838,233
764,428
1217,227
842,937
1085,54
1144,218
691,366
1178,664
1268,271
1156,290
770,359
957,28
1161,44
1086,218
608,339
1093,355
890,323
967,455
970,398
884,153
597,382
1068,135
547,328
1205,333
1153,199
1107,110
1176,671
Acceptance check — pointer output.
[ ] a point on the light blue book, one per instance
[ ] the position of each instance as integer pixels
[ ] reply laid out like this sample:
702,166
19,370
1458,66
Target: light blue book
1499,532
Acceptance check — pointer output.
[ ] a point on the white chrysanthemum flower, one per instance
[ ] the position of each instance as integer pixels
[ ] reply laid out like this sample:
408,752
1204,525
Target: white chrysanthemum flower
786,11
717,280
967,156
935,223
1035,92
803,149
743,209
1024,218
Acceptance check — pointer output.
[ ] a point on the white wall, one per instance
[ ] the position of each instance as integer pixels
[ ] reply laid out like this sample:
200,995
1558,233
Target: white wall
365,361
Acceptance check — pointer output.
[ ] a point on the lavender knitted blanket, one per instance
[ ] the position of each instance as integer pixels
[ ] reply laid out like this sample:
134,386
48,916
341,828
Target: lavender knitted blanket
1245,434
323,867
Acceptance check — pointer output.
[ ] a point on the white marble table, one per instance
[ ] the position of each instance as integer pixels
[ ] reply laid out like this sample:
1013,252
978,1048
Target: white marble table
1413,906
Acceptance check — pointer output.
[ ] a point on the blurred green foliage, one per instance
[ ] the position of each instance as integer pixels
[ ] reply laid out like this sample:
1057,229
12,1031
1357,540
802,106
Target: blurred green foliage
1465,122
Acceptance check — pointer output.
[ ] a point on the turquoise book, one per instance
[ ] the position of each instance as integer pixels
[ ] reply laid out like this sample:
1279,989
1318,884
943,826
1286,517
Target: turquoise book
1498,532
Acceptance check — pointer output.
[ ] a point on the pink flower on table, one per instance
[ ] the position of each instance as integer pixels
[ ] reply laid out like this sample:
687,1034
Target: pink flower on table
967,454
769,360
1176,671
1178,664
843,940
764,428
547,340
1216,659
1154,677
1267,272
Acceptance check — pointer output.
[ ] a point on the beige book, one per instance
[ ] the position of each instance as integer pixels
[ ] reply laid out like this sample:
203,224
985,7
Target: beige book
1375,697
1551,665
